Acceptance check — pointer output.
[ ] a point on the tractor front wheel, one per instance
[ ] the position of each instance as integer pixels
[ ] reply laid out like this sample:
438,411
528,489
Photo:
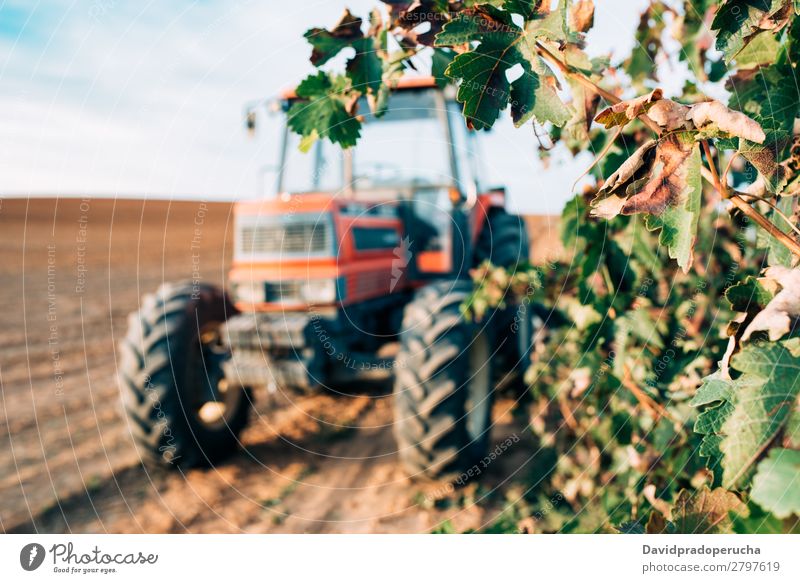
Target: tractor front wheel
443,391
181,409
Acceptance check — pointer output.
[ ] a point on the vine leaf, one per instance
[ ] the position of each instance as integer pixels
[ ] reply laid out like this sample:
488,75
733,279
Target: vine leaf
551,24
546,105
776,485
625,111
323,111
365,68
326,44
705,511
709,118
744,415
663,180
782,311
750,294
715,119
408,15
484,88
581,17
738,22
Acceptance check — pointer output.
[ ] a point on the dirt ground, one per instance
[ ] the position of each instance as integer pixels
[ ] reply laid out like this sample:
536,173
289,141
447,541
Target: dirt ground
70,272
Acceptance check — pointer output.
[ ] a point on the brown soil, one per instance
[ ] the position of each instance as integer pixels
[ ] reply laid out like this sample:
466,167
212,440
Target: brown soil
316,463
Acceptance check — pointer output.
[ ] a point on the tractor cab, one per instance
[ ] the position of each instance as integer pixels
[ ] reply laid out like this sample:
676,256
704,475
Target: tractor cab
404,198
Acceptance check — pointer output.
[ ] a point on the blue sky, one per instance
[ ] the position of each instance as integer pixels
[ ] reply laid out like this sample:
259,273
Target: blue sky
122,98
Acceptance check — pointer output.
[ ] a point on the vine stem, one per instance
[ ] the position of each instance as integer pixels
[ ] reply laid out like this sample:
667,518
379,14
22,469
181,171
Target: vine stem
712,176
773,206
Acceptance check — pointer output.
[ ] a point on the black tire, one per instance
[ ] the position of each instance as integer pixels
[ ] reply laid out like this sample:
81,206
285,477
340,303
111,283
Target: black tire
442,399
169,364
504,241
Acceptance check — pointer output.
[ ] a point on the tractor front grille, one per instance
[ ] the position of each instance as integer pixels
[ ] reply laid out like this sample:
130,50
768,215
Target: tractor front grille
291,238
283,291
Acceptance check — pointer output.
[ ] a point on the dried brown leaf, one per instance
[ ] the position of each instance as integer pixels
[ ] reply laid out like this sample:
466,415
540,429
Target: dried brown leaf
625,111
781,312
581,16
705,511
668,179
713,115
669,115
639,161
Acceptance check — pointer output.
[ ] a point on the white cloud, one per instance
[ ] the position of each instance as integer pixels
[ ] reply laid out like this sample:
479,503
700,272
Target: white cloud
145,99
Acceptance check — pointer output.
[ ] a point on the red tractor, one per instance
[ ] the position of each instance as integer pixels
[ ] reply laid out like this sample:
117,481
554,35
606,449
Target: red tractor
362,250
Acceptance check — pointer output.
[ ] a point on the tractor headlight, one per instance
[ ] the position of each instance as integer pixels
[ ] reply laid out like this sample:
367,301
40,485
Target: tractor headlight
318,291
249,292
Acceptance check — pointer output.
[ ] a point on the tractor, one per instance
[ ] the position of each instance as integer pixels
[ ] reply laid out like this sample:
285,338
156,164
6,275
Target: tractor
356,269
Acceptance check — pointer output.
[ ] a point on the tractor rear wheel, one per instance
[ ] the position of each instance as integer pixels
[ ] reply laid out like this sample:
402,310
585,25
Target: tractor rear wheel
181,410
504,242
443,390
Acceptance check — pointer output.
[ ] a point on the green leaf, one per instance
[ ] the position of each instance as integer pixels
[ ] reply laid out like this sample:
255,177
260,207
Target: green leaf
748,412
365,69
776,485
770,96
524,8
748,295
705,511
778,252
321,111
480,23
483,87
737,22
762,49
328,43
525,98
551,25
440,60
547,105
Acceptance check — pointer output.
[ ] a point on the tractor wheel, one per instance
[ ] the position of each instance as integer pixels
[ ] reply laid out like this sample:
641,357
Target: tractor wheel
181,410
504,241
443,391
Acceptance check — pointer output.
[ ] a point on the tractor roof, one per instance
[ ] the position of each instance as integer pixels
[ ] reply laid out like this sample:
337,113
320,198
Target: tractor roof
404,83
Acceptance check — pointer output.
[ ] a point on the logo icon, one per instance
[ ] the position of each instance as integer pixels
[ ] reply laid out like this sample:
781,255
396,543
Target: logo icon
402,257
31,556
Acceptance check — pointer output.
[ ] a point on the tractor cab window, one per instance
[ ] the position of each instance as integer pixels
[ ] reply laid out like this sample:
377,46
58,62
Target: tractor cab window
406,149
464,150
321,169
